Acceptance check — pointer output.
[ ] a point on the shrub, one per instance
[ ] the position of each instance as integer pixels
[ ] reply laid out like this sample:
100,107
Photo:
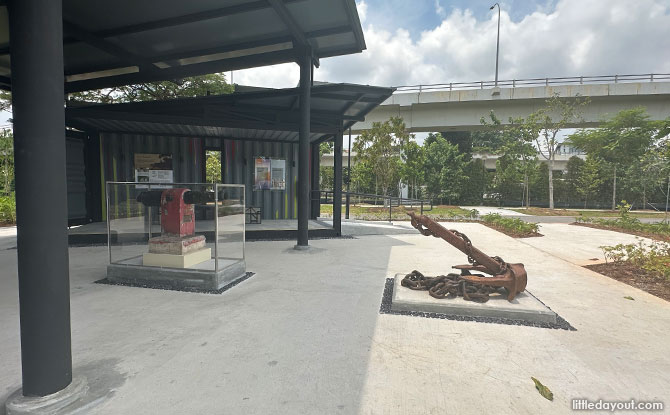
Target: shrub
515,225
653,257
8,209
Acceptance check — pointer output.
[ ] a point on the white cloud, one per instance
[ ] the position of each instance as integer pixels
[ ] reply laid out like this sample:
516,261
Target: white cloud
362,7
575,37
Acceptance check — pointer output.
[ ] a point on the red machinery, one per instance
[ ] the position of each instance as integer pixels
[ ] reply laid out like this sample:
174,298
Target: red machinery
177,216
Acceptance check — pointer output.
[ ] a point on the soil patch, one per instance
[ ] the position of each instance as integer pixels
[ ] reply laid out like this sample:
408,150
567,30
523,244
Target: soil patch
635,276
650,235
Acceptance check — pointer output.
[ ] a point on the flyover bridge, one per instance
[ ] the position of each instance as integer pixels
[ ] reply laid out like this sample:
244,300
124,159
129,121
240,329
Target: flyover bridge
460,106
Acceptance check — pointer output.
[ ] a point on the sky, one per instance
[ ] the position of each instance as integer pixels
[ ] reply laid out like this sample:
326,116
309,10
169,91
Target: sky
412,42
438,41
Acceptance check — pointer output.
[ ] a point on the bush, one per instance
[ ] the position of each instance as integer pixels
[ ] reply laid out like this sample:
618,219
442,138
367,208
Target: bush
514,225
628,223
8,209
653,257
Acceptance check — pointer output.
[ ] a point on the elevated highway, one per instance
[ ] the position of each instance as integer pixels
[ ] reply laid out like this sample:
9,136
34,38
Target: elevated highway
460,106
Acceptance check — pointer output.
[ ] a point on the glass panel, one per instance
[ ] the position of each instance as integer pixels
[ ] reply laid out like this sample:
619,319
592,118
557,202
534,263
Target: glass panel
230,231
172,225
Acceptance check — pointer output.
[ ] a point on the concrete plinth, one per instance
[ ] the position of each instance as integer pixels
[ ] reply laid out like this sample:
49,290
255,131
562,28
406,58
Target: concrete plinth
201,277
61,402
524,307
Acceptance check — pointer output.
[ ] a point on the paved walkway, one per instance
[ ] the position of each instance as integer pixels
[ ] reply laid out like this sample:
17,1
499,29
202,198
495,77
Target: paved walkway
304,335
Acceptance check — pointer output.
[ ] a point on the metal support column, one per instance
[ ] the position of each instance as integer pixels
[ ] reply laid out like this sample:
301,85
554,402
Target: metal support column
337,185
36,33
303,148
315,195
348,175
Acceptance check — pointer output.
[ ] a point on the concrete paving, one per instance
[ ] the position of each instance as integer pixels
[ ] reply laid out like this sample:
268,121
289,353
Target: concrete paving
577,244
304,336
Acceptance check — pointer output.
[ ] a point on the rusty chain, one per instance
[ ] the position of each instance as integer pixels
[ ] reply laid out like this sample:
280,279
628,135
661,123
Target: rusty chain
453,285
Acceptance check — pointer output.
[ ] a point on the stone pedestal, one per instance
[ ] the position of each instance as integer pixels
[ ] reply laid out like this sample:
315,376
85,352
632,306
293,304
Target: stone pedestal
524,307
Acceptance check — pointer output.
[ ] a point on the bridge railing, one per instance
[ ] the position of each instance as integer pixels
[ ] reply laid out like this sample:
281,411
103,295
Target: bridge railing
513,83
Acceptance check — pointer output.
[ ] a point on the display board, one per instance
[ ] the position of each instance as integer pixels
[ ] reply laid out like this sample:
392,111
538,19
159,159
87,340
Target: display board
269,174
153,168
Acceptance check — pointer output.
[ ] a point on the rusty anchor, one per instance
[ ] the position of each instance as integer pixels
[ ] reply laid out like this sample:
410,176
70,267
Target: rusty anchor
511,277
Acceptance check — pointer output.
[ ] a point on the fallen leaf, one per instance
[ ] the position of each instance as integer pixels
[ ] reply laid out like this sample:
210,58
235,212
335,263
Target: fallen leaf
628,297
544,391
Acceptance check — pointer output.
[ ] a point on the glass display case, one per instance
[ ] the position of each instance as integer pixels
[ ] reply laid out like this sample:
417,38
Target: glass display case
175,235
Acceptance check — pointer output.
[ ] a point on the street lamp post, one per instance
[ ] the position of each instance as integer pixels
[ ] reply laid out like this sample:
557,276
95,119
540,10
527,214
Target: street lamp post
498,41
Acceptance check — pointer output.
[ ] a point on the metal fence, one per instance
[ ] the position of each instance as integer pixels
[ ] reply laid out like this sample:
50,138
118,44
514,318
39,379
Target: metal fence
513,83
389,202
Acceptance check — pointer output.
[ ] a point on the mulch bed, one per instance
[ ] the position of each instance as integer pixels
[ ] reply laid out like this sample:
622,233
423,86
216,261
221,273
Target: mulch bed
637,277
655,236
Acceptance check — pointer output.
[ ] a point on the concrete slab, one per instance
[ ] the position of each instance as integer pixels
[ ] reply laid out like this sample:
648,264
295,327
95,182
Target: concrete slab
305,336
524,307
577,244
202,276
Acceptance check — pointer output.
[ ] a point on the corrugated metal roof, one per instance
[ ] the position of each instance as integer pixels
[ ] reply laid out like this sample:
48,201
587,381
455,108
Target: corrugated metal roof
258,115
120,42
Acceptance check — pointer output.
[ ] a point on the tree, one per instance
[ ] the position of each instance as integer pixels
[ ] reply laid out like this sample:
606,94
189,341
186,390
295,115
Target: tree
477,181
590,178
413,167
547,122
213,166
193,86
6,161
517,155
621,141
572,175
381,148
444,169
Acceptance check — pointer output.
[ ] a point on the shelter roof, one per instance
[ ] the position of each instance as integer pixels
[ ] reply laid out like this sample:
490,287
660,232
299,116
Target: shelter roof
122,42
259,115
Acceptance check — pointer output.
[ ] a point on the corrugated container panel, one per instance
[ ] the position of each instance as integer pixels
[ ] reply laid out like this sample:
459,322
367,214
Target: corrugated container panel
76,178
118,155
239,159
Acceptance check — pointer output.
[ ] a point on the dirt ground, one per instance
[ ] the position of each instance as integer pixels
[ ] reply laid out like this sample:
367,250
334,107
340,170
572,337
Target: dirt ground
650,235
632,275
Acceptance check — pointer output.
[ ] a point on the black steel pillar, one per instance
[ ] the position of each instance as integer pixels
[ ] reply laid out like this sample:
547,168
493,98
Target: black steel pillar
337,184
348,175
315,194
303,147
36,35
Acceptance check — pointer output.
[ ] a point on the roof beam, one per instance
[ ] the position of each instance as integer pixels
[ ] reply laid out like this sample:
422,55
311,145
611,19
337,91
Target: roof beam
78,115
107,46
264,41
222,65
189,18
293,27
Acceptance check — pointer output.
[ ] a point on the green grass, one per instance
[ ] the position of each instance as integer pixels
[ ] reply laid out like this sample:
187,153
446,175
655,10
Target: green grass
7,210
511,226
399,213
589,213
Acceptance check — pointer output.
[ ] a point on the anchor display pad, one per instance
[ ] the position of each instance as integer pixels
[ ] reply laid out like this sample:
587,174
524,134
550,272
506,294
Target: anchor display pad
177,235
524,307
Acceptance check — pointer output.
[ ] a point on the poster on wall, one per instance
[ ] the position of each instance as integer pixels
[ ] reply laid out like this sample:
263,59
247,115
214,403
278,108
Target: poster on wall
153,168
262,173
269,174
278,174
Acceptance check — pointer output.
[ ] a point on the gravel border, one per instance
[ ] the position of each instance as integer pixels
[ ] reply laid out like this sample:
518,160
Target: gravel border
173,288
311,238
385,308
